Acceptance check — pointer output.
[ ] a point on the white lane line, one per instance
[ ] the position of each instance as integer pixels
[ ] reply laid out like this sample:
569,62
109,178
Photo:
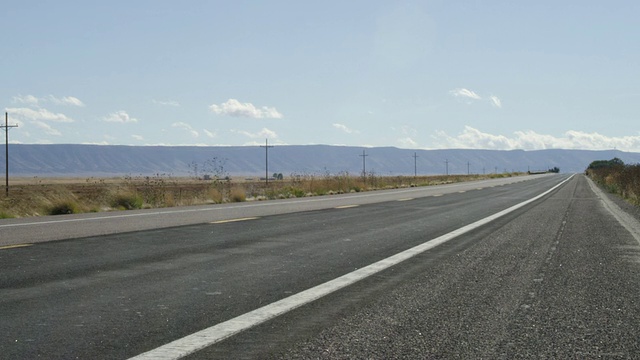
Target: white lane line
244,205
14,246
234,220
207,337
346,206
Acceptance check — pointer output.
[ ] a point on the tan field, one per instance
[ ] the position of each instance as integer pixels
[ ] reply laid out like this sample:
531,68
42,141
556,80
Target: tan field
51,196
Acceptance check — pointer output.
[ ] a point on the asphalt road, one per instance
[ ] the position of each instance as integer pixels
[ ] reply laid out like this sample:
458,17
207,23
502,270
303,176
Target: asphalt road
556,278
47,228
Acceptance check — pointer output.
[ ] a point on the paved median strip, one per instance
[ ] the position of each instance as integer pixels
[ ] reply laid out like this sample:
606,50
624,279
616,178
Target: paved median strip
234,220
191,343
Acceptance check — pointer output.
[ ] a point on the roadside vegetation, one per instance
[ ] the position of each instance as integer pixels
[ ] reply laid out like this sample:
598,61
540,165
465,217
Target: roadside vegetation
617,177
36,196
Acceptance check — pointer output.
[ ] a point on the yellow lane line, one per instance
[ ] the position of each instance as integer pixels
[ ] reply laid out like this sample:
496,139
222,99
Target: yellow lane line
346,206
233,220
14,246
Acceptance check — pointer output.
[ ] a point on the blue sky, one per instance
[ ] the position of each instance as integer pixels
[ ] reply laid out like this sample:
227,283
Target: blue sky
410,74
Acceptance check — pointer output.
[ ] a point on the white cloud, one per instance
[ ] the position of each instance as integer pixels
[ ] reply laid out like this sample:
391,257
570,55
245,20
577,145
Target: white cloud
35,101
186,127
469,95
210,134
38,115
262,134
407,130
28,100
67,100
96,143
345,128
235,108
119,117
472,138
47,128
465,93
495,101
138,137
407,142
166,103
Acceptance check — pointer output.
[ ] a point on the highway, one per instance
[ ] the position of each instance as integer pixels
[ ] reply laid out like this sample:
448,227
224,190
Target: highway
534,267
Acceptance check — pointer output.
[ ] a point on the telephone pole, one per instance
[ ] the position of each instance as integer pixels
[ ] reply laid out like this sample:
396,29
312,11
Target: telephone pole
415,164
364,167
446,162
266,147
6,129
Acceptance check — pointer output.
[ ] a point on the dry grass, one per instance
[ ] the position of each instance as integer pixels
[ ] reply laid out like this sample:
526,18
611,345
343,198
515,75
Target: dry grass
38,196
623,180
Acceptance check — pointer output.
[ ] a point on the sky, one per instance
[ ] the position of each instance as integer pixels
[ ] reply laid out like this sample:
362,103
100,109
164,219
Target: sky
410,74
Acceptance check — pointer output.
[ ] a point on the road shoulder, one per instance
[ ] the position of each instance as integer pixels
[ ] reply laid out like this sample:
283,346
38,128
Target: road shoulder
627,214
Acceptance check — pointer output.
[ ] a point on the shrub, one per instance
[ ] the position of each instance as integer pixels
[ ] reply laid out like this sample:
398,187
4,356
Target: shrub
169,200
237,195
63,208
297,192
5,215
617,177
215,195
127,201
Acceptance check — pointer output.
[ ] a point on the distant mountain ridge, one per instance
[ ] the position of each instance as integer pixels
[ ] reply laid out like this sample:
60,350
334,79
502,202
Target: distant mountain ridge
116,160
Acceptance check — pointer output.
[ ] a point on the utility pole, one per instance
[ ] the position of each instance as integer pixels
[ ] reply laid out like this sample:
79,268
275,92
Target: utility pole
6,129
266,160
364,167
446,162
468,165
415,164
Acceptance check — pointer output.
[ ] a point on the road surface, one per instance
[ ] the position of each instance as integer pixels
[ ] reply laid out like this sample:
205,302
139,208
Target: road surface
554,277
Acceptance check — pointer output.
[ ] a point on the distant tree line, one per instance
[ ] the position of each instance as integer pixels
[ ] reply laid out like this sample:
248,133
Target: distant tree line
606,164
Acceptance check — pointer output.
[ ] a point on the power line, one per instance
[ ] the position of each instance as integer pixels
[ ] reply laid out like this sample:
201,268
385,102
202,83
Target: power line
6,129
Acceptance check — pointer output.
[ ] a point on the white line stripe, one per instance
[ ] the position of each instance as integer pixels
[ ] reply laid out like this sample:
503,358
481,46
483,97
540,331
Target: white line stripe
234,220
207,337
14,246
